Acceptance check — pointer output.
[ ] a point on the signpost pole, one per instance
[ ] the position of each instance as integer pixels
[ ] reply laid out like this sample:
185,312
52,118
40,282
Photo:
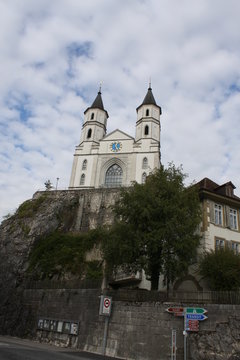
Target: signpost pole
185,335
174,345
185,345
105,334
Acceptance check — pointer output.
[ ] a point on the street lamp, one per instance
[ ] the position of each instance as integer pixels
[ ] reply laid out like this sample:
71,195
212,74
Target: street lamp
57,182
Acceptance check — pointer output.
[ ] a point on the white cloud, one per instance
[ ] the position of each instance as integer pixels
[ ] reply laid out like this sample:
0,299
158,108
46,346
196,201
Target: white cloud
55,54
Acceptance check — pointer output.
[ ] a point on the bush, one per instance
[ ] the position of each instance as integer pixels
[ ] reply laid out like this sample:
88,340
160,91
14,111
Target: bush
221,268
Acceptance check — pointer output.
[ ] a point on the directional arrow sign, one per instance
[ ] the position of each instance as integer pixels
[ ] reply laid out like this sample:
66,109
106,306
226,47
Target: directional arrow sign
175,310
199,317
179,313
192,310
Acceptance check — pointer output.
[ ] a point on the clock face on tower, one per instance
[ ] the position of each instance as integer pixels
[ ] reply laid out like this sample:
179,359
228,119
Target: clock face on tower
116,146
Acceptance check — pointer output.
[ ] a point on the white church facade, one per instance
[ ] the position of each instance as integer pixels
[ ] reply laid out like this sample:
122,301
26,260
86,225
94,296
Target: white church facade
116,159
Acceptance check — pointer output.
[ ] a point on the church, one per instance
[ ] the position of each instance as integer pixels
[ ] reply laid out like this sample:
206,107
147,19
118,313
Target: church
116,159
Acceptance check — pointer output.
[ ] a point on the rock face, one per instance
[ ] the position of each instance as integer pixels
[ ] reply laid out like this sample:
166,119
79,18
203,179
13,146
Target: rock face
47,212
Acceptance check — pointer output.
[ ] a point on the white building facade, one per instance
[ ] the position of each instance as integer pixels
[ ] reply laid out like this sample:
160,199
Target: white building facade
221,216
116,159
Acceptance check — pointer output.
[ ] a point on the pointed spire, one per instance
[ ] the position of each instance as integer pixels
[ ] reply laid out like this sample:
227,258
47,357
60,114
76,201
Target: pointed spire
149,98
98,103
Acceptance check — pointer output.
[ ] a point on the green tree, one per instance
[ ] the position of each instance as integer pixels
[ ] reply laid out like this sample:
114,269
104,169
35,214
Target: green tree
221,269
155,227
48,185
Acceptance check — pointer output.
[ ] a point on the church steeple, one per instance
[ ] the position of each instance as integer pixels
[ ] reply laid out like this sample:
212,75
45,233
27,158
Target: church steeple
97,103
148,118
95,121
149,99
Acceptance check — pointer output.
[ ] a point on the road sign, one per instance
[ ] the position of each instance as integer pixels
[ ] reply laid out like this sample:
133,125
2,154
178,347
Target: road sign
174,310
191,325
179,313
192,310
105,305
199,317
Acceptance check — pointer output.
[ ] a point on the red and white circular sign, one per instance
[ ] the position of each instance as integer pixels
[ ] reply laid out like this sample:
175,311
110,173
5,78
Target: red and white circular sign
107,303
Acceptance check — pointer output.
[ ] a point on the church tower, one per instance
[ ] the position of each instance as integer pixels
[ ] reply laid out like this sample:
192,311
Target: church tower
147,138
93,131
95,121
148,118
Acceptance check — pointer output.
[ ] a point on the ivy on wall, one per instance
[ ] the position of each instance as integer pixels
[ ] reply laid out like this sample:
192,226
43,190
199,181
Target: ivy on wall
65,253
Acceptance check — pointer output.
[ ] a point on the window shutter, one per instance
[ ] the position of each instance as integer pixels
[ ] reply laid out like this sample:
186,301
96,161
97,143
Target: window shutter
211,209
227,216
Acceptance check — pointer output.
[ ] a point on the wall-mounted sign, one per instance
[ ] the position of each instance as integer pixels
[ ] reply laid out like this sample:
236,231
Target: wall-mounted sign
40,324
46,324
60,326
74,329
105,305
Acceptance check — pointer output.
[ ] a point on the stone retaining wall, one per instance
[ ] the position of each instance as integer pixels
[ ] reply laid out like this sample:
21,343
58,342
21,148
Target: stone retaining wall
137,330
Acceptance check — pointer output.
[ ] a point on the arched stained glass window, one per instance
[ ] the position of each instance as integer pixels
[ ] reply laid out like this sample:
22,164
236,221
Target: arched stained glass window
144,176
113,176
82,180
84,165
145,163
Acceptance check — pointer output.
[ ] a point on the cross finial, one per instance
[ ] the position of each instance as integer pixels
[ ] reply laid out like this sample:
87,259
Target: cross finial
100,87
150,84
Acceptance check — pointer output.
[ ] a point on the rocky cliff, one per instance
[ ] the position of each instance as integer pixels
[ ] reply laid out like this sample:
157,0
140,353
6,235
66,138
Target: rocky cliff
45,213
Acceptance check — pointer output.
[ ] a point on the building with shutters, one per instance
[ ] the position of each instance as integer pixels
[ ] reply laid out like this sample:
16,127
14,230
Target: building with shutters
220,227
116,159
221,215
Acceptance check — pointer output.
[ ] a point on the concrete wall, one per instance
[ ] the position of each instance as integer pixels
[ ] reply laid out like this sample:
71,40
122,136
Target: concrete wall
137,329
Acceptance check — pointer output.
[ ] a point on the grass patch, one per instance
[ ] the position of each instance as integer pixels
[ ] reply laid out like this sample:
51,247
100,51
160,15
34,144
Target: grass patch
30,207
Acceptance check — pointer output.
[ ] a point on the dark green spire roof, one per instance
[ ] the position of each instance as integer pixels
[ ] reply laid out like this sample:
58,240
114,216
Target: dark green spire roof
149,99
98,103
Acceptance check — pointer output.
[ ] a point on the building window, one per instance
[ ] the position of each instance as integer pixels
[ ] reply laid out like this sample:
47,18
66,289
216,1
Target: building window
147,112
82,180
219,244
92,116
144,176
218,214
84,165
145,163
235,247
114,176
146,130
233,219
89,134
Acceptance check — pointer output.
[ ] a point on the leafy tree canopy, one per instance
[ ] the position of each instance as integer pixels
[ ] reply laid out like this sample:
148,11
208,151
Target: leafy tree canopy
221,268
155,227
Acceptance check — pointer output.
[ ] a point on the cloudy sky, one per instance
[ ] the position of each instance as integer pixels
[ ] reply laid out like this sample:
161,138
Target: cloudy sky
54,54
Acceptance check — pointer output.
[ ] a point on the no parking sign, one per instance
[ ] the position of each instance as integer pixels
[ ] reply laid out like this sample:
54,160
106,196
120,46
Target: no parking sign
105,305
